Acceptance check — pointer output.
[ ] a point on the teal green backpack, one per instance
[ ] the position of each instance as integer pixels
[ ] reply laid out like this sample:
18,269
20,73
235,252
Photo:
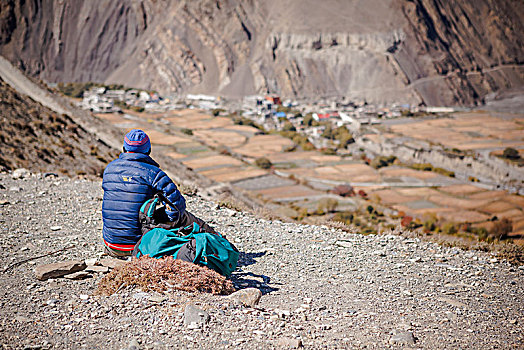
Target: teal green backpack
188,244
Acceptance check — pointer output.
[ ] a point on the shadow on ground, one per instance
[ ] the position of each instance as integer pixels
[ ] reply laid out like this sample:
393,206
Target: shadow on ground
243,280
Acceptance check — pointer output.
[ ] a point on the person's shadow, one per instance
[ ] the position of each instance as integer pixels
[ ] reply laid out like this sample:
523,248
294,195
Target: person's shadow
243,280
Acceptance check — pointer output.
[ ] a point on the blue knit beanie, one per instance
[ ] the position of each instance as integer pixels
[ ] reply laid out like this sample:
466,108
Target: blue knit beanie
137,141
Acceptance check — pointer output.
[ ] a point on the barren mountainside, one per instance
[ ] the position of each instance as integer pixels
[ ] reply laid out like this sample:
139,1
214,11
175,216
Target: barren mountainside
442,52
36,138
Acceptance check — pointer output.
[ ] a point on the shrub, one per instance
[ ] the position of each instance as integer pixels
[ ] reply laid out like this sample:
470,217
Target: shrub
160,274
510,153
263,163
187,131
226,200
216,112
501,228
239,120
288,127
449,228
430,225
120,104
137,109
188,189
422,166
308,120
329,151
382,161
298,139
284,109
429,167
406,221
344,216
444,172
327,204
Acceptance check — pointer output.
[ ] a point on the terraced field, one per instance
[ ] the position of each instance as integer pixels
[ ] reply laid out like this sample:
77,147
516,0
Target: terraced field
224,152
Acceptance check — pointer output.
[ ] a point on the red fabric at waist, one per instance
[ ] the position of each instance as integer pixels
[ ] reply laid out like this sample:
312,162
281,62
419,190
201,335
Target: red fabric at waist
122,247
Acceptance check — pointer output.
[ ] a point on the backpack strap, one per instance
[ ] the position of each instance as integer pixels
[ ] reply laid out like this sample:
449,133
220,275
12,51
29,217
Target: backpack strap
173,207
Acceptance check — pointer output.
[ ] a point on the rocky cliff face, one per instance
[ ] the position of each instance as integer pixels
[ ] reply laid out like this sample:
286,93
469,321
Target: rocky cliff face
438,52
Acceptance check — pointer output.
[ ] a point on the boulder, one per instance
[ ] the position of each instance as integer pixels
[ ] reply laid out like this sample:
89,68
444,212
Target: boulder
21,173
247,297
289,343
194,316
44,272
111,263
405,338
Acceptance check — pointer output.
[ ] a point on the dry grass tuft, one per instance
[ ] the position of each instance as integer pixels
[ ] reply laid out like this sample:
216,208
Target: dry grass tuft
512,253
341,226
161,274
230,202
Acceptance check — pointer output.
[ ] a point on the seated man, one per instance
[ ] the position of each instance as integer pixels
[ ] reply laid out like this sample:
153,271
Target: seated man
128,182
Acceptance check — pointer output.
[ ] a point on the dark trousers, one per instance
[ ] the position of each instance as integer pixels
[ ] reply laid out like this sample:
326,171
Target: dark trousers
186,220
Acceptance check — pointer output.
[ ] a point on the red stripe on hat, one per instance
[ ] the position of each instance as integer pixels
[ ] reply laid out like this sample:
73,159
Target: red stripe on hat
137,143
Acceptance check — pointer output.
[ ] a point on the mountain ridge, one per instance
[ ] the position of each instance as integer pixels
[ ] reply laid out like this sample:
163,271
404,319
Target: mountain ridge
376,51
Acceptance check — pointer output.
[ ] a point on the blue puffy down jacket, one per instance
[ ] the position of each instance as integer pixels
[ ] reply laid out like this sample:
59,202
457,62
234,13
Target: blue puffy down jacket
128,182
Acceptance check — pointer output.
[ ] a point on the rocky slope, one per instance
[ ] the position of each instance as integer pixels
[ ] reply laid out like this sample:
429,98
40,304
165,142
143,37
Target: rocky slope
33,136
438,52
322,287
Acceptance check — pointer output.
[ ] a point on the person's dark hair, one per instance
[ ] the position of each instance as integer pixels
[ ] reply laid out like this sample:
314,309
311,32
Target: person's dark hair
125,151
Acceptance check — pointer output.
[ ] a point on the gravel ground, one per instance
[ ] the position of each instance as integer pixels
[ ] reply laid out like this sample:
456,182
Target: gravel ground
324,287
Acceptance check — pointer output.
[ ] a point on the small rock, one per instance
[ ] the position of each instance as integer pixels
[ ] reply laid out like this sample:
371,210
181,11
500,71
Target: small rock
344,244
282,313
100,269
247,297
84,296
133,345
91,262
290,343
15,189
379,253
406,338
157,299
2,203
193,316
21,173
55,228
111,263
22,319
407,292
44,272
323,326
52,302
141,296
80,275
